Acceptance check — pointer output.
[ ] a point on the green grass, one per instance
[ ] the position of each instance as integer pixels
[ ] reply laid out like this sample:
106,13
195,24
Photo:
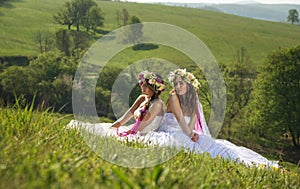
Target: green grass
223,34
20,21
38,152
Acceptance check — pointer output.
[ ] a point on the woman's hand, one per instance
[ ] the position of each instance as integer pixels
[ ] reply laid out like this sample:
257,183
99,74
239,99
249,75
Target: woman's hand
129,132
195,137
116,125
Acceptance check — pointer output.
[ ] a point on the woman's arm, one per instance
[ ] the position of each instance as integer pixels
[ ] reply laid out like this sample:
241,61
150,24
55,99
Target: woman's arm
153,111
129,113
192,122
175,108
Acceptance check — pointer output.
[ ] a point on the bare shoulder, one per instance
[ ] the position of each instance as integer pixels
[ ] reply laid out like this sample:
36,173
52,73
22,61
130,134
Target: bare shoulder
173,103
173,97
157,102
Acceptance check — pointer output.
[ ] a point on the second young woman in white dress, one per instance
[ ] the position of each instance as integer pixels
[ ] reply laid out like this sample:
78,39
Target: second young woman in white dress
184,120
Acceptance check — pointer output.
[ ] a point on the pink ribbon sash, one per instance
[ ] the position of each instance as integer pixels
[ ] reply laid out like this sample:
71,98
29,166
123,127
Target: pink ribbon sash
198,126
136,125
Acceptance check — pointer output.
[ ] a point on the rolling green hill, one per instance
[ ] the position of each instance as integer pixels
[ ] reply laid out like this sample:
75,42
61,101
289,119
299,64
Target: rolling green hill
37,151
270,12
224,34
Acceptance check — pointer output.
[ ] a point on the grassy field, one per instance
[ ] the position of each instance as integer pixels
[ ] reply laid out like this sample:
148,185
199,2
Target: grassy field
223,34
38,152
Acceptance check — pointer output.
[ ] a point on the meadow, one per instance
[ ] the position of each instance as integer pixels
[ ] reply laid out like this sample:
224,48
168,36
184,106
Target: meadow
38,151
223,34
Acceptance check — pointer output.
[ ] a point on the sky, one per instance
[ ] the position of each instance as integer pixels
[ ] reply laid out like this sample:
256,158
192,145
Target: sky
220,1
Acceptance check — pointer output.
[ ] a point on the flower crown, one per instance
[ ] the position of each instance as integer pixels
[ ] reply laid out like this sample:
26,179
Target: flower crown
152,79
187,77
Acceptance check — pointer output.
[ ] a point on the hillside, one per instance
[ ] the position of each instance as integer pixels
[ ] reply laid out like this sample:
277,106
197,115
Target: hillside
38,152
255,10
224,34
277,13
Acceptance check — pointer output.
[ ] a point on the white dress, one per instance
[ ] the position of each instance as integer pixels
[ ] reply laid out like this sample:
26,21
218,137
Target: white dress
164,131
105,129
215,147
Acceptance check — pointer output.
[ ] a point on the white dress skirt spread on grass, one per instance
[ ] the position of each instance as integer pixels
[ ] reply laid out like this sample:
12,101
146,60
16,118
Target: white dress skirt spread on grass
215,147
165,131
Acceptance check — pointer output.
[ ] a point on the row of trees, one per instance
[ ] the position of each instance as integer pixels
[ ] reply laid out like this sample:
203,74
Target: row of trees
48,79
79,13
266,104
86,13
67,41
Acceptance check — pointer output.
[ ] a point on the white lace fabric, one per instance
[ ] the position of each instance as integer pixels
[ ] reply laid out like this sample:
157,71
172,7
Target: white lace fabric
165,131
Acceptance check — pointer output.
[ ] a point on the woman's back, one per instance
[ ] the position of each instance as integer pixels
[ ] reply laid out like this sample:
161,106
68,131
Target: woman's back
155,123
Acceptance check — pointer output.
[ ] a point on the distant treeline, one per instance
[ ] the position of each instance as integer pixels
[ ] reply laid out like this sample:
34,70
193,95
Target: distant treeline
48,80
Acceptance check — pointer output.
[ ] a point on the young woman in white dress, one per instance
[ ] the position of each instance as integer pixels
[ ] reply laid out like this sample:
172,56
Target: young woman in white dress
184,120
182,126
147,110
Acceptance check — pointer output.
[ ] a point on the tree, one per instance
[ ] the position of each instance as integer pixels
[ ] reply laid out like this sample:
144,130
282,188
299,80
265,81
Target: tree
17,80
93,18
72,43
53,73
293,16
78,13
82,7
238,77
275,107
44,41
80,41
124,17
63,41
118,17
133,33
62,86
48,78
66,15
48,65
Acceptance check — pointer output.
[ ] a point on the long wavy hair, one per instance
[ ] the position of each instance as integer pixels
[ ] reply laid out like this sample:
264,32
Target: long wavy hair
188,100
